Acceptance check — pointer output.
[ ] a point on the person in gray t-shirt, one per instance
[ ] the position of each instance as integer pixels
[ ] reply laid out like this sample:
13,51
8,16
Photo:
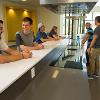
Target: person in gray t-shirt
97,33
13,55
25,38
94,50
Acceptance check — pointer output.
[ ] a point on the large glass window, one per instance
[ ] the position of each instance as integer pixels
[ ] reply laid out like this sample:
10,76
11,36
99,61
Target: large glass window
89,18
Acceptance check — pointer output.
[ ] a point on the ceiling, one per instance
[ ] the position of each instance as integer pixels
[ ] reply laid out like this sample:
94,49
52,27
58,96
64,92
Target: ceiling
57,8
69,6
32,3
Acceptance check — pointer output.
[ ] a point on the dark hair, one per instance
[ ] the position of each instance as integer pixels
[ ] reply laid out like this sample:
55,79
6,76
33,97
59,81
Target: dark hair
88,23
97,19
53,28
27,19
1,21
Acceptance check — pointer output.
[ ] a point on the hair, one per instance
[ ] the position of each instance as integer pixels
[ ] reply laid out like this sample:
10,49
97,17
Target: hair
40,27
97,19
1,21
88,23
53,28
27,19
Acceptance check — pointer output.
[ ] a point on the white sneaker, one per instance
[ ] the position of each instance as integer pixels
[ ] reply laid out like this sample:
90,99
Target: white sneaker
96,75
90,77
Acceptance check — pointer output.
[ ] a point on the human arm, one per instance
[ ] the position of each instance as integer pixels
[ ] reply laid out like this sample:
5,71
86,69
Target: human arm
34,47
47,39
92,43
14,56
9,58
85,38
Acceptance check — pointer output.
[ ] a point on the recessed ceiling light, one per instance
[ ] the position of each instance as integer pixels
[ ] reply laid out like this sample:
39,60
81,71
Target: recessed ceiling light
19,0
23,0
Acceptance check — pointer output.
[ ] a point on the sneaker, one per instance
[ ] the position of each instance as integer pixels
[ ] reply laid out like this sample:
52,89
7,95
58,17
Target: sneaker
96,75
87,64
90,77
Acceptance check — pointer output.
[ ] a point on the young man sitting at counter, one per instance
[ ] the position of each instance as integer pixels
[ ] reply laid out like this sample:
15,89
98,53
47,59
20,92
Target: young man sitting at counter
41,35
13,55
25,38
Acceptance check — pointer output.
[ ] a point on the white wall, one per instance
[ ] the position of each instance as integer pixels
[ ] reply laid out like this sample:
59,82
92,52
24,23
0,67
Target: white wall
48,18
1,10
96,9
2,17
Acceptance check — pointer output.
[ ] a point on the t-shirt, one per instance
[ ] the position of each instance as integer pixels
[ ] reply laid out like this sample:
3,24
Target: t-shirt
97,33
3,45
23,39
52,33
40,35
91,33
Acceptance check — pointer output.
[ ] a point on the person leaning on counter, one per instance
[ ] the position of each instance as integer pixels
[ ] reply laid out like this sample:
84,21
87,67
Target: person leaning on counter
53,33
13,54
25,38
41,35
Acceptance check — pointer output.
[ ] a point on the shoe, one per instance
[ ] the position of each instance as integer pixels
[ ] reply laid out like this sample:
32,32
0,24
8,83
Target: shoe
95,75
90,77
87,64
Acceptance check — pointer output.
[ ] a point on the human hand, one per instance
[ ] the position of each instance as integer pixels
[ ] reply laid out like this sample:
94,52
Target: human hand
57,38
82,44
2,59
26,54
89,50
25,48
40,46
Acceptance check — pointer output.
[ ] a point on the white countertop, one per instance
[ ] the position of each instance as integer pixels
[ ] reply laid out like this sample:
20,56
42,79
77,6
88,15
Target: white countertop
10,72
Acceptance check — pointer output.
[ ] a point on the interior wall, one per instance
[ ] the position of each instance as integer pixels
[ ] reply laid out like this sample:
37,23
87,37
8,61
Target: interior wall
14,18
2,17
1,10
48,18
96,9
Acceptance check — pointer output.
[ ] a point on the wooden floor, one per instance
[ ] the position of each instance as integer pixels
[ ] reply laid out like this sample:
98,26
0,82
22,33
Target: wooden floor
94,86
58,83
